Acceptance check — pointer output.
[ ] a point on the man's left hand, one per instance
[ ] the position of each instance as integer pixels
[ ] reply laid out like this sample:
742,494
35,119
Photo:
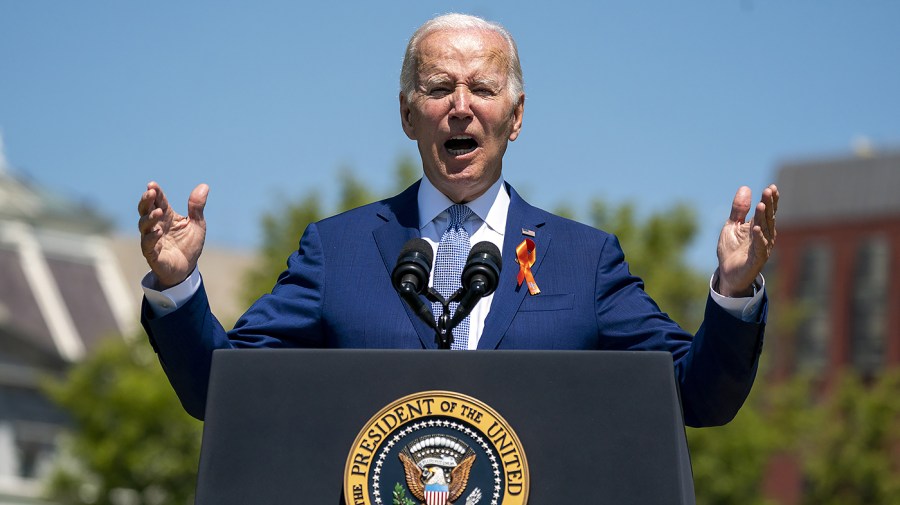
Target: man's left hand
743,247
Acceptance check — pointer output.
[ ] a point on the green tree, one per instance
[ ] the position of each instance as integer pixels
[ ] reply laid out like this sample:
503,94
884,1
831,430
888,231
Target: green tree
729,462
283,227
655,249
281,233
132,442
845,437
851,455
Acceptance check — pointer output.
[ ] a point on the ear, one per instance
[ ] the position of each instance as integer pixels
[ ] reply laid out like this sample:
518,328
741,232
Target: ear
518,112
406,117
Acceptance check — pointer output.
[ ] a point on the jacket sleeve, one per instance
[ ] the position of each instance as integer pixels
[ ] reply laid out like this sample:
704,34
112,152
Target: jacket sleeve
715,368
290,316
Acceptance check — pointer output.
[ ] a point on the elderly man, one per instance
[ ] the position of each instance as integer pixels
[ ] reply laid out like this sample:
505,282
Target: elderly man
462,101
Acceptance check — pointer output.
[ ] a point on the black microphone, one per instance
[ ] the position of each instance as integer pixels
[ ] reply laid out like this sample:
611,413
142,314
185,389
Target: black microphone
480,277
482,270
410,276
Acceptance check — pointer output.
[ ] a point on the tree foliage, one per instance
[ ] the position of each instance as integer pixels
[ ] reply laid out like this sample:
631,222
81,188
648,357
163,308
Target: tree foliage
845,437
132,441
656,249
729,462
847,443
281,233
283,226
852,456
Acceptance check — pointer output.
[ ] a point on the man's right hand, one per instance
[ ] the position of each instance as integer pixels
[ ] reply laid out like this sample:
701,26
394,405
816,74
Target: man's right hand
171,243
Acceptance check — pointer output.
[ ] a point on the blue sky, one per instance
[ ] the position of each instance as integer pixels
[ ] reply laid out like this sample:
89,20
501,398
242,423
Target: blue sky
653,101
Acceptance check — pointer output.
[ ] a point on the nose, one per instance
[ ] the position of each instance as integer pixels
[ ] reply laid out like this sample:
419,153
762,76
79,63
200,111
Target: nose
461,103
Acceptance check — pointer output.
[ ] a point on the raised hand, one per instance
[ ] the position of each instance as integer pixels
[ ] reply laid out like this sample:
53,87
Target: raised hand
171,243
743,247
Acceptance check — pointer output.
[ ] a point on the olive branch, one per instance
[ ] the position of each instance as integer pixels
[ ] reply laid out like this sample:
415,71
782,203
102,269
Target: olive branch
399,496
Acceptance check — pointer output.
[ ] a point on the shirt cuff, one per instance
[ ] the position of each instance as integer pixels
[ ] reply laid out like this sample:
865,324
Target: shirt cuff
745,308
168,300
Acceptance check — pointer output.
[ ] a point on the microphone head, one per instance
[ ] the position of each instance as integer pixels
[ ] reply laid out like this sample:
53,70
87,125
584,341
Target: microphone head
484,262
413,265
419,246
487,250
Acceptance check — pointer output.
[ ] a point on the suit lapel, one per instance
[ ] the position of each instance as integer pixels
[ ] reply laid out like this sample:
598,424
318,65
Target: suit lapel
401,216
509,295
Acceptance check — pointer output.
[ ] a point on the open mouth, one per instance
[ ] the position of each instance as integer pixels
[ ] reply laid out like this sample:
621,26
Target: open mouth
460,144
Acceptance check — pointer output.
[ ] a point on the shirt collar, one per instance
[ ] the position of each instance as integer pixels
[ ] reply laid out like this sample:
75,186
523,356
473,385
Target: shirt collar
491,207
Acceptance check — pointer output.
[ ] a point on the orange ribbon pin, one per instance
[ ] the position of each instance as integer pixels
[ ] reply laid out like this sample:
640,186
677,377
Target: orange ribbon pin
525,257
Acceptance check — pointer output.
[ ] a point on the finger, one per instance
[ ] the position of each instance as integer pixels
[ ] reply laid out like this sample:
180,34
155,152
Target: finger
147,202
775,196
149,241
741,204
150,221
759,219
151,232
768,198
161,201
769,201
760,253
197,201
152,198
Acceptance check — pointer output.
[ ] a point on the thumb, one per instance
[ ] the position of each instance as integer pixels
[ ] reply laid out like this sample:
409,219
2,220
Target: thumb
741,204
197,201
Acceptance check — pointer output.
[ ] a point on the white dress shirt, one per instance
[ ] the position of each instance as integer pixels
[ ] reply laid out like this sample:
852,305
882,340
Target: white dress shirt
487,222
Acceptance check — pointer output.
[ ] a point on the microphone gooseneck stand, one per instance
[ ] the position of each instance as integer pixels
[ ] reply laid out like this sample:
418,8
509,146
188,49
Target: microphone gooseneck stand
443,330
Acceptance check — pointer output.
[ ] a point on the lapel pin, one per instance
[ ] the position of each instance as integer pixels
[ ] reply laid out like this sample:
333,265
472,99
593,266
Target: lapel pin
527,232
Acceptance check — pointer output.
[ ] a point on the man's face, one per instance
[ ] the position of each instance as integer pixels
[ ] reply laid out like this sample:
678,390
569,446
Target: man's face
461,113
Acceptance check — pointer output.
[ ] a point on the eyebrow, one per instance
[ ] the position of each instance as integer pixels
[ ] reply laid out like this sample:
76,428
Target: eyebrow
435,79
486,81
477,81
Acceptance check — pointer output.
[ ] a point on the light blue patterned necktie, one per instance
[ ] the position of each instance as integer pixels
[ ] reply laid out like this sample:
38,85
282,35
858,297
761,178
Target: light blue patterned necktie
448,266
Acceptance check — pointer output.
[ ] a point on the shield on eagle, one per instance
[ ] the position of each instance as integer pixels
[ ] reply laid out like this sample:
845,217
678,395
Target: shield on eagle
436,494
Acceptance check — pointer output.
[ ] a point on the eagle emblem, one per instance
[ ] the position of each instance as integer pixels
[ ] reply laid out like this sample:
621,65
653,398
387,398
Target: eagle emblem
437,468
436,448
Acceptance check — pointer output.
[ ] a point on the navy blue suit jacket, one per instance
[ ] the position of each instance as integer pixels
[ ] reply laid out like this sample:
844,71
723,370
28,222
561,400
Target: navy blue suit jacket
337,293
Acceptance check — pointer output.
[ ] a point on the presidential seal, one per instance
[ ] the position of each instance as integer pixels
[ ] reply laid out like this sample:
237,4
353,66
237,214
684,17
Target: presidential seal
436,448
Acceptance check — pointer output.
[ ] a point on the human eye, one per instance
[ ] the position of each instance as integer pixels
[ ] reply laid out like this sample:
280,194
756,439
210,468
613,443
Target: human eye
483,91
436,88
484,88
439,91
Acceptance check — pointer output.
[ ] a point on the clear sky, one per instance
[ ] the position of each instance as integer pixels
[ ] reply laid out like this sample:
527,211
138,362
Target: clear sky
652,101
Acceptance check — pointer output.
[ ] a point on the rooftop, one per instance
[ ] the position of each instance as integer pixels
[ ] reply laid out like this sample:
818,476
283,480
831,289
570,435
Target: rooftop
850,188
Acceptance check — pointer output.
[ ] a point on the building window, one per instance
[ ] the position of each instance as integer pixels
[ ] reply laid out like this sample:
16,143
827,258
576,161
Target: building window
814,295
868,324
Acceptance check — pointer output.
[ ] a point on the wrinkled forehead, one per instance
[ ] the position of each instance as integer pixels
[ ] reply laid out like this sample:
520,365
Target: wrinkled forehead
462,52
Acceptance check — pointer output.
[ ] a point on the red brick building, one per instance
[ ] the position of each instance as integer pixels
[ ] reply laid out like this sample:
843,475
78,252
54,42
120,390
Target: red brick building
838,259
837,272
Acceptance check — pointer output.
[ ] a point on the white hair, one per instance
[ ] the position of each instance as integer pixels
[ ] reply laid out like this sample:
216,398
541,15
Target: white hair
515,84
